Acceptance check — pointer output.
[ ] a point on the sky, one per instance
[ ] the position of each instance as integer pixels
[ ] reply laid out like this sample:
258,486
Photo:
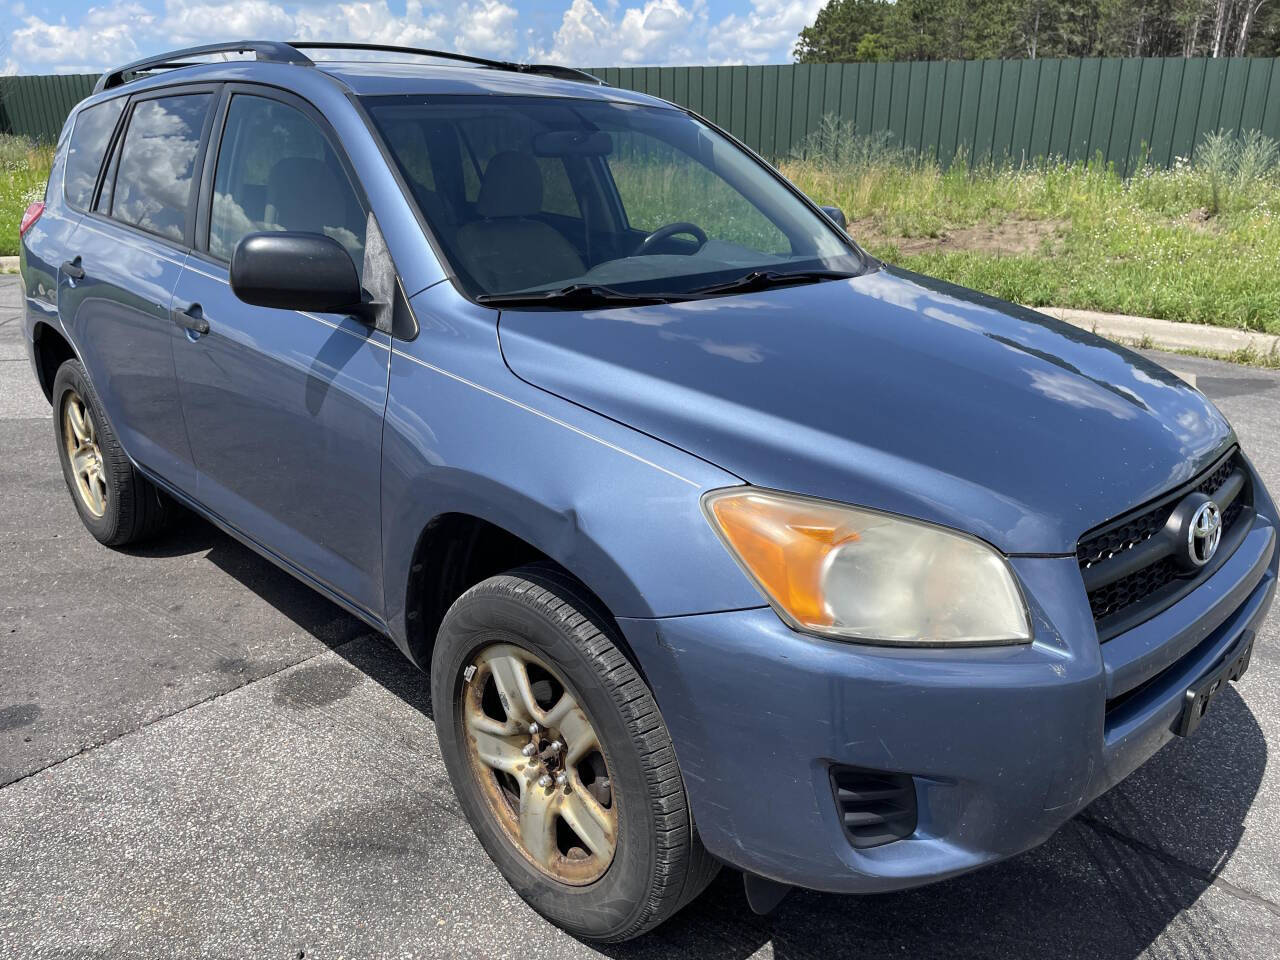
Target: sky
71,36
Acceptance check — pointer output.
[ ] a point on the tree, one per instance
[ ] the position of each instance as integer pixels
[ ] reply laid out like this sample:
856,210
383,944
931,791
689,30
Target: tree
839,30
971,29
871,49
1265,36
954,29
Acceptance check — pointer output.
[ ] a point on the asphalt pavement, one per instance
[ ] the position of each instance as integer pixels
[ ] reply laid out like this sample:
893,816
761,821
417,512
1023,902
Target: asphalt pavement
199,757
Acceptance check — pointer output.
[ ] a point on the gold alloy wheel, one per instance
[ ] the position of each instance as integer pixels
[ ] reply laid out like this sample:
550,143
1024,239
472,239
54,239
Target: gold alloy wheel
82,451
540,764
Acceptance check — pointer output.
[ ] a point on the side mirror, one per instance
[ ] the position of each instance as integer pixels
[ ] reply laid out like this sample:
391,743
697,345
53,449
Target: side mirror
836,214
296,271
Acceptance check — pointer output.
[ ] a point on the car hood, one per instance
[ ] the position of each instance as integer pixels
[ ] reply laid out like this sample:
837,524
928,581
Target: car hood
893,391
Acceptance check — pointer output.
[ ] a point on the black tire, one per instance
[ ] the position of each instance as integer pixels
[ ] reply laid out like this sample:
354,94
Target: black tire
134,508
659,865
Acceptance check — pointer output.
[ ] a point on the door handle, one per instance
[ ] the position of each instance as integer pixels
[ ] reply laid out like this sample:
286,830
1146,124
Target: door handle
191,317
73,269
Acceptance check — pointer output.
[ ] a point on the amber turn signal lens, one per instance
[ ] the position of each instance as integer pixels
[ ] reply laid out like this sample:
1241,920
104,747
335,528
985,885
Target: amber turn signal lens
785,545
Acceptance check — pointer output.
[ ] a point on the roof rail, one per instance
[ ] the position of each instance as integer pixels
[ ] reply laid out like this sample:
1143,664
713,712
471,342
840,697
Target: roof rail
275,51
268,50
541,69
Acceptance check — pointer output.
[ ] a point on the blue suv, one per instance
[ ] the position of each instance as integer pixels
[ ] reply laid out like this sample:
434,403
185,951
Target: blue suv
721,541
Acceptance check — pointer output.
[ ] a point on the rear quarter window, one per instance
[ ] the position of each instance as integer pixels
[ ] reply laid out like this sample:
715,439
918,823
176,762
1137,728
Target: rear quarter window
89,137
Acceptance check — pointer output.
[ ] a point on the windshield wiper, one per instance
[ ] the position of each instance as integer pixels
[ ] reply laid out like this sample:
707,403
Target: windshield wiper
575,295
765,279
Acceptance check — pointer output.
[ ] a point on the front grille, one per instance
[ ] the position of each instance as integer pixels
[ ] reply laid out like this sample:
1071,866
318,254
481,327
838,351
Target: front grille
875,808
1131,567
1131,589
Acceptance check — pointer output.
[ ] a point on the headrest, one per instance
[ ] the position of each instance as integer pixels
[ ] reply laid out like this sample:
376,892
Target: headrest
512,186
304,194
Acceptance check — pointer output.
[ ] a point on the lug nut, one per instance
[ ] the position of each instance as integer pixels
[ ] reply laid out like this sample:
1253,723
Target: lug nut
533,729
529,749
544,781
557,746
561,779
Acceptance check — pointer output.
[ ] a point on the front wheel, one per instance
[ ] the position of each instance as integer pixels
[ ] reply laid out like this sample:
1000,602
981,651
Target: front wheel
560,758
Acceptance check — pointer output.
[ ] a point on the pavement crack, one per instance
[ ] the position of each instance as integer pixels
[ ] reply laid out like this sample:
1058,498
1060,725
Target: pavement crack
89,748
1209,877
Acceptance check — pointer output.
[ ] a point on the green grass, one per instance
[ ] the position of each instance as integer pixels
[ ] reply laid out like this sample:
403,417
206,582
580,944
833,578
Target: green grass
1198,243
673,188
24,168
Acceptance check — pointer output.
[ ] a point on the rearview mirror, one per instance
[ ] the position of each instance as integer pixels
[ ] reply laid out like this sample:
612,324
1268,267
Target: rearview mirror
572,143
837,215
296,271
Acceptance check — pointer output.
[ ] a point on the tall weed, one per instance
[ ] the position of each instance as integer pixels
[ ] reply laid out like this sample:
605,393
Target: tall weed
1196,242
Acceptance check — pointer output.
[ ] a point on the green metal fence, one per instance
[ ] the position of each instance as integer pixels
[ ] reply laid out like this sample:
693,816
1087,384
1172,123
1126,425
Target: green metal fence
982,110
985,109
36,107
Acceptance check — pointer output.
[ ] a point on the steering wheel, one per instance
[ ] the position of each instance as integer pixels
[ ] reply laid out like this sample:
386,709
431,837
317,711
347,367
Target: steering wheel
671,230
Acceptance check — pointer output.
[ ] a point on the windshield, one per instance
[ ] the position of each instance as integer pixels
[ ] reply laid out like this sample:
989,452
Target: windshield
529,196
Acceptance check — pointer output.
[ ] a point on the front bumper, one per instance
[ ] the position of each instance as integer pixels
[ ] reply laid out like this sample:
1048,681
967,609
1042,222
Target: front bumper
1005,743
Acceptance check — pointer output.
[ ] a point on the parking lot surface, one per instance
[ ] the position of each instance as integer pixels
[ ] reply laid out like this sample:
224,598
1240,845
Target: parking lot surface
199,757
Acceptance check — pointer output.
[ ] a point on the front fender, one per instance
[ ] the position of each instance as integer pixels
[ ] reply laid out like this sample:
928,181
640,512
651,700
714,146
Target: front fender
617,508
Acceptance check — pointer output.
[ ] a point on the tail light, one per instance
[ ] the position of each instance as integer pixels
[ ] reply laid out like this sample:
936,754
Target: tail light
31,215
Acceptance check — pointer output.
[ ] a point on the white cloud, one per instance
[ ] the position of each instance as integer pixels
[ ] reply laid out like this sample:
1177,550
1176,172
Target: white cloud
588,33
103,35
187,23
661,31
487,28
765,35
371,22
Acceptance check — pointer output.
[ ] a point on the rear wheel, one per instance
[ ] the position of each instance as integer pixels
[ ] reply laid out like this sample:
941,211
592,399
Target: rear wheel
560,758
116,503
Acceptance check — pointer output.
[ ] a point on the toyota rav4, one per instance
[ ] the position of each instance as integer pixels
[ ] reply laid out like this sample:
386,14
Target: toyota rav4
720,541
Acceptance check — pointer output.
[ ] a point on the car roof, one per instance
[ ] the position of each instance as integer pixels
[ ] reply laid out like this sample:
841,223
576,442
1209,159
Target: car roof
381,78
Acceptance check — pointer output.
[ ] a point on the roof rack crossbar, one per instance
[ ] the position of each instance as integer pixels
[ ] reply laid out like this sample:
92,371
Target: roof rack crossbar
271,51
541,69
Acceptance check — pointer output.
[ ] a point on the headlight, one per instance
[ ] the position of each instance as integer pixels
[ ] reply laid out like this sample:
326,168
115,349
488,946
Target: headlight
852,573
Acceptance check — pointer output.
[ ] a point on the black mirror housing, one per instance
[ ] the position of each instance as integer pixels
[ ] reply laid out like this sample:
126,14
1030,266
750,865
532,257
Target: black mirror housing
296,271
837,215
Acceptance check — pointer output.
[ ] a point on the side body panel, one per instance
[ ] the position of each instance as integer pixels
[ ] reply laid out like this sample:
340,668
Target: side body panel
118,318
284,411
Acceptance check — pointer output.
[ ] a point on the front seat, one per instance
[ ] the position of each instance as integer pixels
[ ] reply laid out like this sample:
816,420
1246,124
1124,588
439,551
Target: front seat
304,193
506,250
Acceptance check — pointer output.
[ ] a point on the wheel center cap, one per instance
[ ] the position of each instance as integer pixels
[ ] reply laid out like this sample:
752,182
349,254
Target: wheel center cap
546,752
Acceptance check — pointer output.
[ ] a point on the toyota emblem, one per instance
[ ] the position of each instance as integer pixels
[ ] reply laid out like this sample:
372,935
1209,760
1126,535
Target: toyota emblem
1204,532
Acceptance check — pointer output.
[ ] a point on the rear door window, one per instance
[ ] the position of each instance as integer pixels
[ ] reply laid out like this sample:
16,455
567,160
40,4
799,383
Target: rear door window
155,174
89,137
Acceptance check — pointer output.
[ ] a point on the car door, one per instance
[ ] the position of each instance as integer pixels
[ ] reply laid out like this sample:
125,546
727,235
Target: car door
283,409
123,263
